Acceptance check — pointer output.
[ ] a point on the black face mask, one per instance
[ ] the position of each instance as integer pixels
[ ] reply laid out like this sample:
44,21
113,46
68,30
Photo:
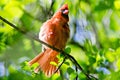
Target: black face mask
64,15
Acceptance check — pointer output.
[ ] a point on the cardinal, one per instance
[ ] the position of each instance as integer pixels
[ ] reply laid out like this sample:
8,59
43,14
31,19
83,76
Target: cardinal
54,32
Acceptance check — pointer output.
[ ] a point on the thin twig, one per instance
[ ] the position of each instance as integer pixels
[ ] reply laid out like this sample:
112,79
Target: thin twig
76,69
71,58
60,65
77,65
50,9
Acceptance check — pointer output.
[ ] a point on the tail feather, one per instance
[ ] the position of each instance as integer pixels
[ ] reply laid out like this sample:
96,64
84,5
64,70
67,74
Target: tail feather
34,60
44,60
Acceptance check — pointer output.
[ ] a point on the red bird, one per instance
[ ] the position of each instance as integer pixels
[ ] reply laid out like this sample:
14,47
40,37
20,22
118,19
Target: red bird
54,32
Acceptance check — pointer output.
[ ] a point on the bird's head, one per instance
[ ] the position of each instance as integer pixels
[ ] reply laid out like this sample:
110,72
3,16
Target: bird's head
64,10
62,13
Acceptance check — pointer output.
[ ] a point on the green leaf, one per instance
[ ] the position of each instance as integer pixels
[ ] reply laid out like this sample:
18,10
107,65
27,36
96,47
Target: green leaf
101,52
12,69
118,64
67,50
67,63
118,51
82,76
110,55
92,60
35,65
117,4
59,56
103,5
70,70
73,76
53,63
56,77
25,66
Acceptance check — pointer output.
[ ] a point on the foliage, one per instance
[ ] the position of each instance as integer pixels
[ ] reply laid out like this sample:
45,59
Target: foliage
94,40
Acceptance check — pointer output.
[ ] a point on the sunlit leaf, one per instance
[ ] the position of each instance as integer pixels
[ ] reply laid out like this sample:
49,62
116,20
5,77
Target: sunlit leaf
25,66
35,65
73,76
82,76
110,56
117,4
118,51
118,64
12,69
53,63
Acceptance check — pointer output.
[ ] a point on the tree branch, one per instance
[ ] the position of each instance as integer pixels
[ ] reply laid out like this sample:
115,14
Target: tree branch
71,58
76,78
60,65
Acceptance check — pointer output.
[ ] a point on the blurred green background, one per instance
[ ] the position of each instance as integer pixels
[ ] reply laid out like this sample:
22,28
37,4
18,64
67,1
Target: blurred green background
94,40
